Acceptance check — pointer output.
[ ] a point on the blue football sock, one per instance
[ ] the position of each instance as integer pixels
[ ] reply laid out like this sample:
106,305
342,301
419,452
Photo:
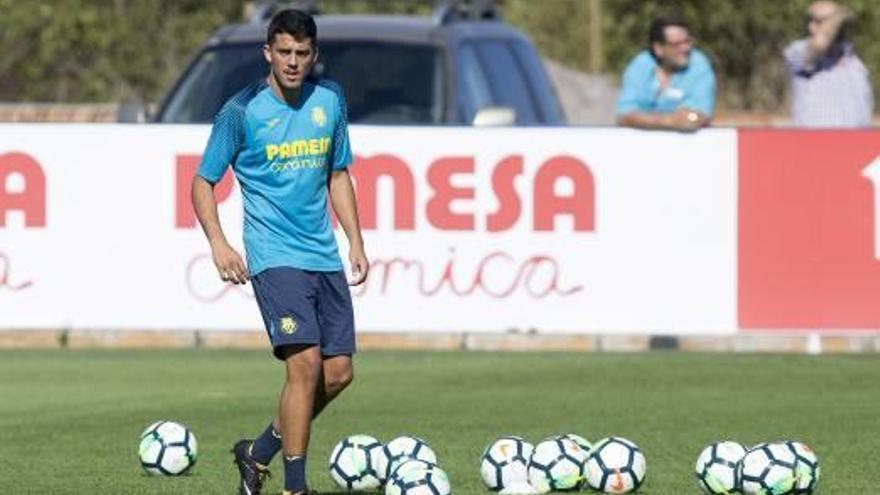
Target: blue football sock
295,473
266,446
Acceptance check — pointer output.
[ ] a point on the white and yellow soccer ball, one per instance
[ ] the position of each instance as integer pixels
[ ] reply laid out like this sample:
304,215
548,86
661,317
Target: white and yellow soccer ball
716,467
557,463
358,462
505,462
417,477
768,469
807,468
406,447
616,465
167,448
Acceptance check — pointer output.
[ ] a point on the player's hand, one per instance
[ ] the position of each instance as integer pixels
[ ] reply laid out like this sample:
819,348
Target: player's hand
229,264
360,266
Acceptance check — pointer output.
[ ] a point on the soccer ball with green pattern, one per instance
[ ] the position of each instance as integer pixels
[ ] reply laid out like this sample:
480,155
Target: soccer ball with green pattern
417,477
716,467
557,463
768,469
167,448
807,468
615,465
506,462
406,447
356,463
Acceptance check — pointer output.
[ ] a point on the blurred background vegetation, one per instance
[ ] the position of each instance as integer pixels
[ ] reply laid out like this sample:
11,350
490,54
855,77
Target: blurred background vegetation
113,50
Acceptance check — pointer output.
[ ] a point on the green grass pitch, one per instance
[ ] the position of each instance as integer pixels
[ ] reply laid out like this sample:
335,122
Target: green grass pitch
70,420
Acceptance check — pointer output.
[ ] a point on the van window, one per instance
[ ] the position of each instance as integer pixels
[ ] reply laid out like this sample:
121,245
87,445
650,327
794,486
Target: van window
384,83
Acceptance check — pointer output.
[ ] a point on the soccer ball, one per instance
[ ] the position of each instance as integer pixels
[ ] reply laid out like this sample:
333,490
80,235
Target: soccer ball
557,463
616,465
417,477
506,461
167,448
768,469
356,462
406,447
716,467
807,468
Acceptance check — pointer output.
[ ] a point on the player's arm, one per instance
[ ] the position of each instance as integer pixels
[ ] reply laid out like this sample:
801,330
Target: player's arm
229,263
227,136
344,205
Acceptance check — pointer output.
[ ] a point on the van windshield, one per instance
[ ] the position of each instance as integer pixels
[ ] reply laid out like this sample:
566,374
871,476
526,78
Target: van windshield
384,83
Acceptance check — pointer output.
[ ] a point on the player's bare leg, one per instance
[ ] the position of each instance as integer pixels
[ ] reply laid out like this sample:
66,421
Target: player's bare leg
304,369
338,373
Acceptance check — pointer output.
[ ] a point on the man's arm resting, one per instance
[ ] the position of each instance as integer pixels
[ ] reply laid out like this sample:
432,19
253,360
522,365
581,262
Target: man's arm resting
684,119
229,264
344,205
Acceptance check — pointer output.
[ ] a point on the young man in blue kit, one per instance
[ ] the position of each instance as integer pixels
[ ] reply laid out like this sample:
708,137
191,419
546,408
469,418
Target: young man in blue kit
286,139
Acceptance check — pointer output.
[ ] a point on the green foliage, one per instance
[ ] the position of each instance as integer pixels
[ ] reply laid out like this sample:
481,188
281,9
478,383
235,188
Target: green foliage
71,419
98,50
108,50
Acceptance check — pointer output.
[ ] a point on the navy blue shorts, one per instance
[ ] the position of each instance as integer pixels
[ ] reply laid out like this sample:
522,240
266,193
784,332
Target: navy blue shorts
306,307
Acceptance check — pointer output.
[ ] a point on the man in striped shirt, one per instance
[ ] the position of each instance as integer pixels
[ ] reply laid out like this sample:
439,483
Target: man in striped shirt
830,86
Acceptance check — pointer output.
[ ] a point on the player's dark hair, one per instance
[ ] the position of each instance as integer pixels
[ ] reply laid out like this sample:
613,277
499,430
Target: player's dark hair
657,31
294,22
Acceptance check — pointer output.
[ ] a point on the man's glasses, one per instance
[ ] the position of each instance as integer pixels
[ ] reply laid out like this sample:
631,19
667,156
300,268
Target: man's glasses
675,44
811,19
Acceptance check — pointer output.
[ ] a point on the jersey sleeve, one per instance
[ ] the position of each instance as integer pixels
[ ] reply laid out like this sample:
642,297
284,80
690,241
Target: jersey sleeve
227,138
341,150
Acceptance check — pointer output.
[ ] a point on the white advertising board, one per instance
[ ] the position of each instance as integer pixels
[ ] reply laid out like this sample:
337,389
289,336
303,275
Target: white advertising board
557,230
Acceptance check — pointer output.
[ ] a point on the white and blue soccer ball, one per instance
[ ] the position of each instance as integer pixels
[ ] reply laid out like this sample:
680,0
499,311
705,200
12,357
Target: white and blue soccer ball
505,462
616,465
557,464
406,447
358,462
768,469
716,467
167,448
418,477
807,468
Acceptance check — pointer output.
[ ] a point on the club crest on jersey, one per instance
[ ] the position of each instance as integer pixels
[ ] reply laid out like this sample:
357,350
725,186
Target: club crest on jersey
319,118
288,325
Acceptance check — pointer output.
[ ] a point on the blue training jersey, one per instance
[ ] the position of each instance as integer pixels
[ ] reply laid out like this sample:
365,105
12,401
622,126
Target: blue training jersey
282,156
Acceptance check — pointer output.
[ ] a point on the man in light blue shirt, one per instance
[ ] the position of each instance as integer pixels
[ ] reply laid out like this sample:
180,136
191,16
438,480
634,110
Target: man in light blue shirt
670,85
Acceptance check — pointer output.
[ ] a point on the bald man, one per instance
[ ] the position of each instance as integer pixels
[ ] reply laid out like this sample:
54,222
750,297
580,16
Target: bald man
830,85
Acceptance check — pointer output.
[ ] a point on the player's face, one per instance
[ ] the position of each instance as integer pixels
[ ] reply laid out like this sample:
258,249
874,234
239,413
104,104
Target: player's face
676,50
291,59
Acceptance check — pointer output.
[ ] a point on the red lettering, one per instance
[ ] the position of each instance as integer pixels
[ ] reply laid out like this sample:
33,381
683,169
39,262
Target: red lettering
186,170
581,204
524,277
32,198
509,204
438,211
366,173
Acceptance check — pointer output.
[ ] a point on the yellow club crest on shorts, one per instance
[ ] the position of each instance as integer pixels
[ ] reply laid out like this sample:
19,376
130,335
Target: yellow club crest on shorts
288,324
319,118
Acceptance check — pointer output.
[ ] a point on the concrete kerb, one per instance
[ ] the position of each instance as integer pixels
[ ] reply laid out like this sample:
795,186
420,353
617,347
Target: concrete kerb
862,342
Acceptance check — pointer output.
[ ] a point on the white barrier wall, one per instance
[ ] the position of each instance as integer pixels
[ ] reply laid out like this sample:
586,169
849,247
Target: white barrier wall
574,230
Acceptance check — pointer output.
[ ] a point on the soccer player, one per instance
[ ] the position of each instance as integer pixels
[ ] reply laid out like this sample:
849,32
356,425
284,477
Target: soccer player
286,138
